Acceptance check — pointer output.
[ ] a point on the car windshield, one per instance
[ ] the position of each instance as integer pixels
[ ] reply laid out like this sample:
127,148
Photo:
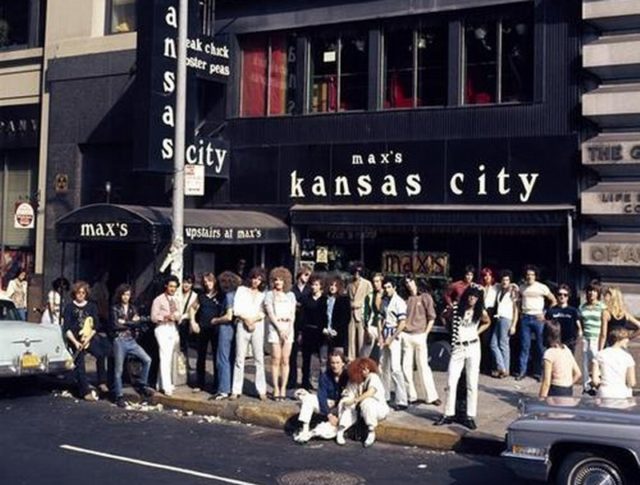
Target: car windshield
8,311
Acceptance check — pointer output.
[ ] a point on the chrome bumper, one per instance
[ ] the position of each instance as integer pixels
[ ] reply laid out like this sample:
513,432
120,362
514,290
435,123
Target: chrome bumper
51,367
528,467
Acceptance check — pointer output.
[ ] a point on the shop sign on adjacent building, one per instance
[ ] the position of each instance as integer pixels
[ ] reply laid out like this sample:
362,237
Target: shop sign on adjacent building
420,263
19,126
611,201
157,80
622,152
611,254
25,216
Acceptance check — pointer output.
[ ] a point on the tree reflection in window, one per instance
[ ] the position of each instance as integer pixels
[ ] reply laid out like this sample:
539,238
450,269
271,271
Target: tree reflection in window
498,61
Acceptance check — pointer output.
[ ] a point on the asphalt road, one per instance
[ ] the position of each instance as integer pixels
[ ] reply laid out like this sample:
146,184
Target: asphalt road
48,439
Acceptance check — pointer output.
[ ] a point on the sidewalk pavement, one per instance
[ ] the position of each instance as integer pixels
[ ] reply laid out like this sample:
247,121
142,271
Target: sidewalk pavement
497,407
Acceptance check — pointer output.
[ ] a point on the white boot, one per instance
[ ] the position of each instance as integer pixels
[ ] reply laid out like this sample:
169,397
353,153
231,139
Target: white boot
371,438
340,437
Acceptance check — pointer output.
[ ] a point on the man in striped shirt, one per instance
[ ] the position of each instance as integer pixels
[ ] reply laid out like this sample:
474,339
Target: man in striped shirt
591,317
395,315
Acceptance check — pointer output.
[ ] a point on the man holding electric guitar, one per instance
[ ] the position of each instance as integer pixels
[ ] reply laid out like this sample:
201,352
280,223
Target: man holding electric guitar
80,318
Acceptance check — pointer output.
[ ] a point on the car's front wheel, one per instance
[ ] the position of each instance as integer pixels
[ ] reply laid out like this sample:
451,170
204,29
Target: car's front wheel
584,468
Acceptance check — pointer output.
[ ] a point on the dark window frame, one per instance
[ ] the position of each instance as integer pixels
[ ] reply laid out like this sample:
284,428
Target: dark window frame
109,17
35,26
497,17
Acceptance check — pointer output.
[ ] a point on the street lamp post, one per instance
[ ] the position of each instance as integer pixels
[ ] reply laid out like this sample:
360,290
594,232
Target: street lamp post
177,245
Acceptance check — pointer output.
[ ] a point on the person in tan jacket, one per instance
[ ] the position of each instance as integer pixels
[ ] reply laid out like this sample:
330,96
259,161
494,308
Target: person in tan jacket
358,290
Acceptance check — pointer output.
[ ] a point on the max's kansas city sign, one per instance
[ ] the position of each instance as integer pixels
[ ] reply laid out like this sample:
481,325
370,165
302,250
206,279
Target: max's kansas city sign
207,58
511,171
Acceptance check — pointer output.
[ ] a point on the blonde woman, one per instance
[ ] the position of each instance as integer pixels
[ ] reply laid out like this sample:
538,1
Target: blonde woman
280,307
616,316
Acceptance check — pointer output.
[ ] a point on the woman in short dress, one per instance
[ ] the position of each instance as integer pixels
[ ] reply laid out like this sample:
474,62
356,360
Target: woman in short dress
280,307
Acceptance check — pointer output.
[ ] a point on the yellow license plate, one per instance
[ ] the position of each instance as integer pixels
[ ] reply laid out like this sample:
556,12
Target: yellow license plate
29,361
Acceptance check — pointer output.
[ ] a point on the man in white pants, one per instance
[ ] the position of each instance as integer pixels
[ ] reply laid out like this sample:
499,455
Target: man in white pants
248,310
395,314
330,386
470,319
421,315
165,314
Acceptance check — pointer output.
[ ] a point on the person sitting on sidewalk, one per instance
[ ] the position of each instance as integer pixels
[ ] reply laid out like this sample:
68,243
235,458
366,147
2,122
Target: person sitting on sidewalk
331,384
613,369
365,393
560,369
248,310
470,319
123,317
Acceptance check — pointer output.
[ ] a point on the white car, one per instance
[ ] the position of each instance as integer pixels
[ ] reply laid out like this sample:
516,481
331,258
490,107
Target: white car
30,348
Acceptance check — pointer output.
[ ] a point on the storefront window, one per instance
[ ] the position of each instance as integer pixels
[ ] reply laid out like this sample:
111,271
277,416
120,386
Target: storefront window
123,16
14,23
498,61
416,67
268,74
339,72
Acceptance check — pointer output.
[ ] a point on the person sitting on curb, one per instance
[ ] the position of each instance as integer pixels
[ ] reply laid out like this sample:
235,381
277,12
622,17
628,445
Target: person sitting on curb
365,393
331,384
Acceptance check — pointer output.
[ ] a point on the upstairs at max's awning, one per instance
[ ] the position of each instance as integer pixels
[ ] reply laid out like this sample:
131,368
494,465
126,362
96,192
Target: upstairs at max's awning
152,225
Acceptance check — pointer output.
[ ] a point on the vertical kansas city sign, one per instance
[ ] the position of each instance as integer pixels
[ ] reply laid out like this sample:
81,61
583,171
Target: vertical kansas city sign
157,80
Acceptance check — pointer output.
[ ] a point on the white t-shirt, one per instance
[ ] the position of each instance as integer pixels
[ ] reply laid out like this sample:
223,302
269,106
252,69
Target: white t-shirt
490,295
505,302
613,363
533,298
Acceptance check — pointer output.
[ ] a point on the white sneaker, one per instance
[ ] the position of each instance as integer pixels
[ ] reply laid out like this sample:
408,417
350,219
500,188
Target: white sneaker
340,438
302,437
371,439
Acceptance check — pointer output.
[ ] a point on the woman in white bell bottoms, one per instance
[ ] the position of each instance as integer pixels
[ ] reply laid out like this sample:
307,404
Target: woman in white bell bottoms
365,393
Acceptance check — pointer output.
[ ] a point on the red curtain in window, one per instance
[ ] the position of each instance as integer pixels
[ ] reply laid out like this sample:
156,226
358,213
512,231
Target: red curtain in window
278,74
254,76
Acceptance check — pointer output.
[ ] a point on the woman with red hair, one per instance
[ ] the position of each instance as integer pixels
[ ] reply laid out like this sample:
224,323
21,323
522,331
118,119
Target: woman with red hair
365,393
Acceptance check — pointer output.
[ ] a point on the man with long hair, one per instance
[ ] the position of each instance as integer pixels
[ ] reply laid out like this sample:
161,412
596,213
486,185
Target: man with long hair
249,312
470,319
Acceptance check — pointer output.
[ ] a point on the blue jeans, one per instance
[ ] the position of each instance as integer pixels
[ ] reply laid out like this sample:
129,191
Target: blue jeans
224,356
529,324
122,347
500,344
22,313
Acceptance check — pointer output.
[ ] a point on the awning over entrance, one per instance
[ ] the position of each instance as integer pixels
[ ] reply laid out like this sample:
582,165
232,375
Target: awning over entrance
140,224
432,215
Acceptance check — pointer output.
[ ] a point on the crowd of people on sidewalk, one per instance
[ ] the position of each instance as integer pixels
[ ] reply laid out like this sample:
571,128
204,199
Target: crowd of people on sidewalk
370,342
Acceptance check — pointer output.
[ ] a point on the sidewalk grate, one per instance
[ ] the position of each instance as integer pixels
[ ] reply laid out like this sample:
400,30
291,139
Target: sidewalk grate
320,477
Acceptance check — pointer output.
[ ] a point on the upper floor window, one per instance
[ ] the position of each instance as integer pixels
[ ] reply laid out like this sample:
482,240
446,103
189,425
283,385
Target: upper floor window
498,60
415,66
339,71
14,24
268,74
121,16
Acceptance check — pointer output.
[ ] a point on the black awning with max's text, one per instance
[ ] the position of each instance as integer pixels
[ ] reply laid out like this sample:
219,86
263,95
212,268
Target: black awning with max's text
141,224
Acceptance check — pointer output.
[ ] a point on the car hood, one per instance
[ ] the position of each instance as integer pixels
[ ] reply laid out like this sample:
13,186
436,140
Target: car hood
582,410
21,329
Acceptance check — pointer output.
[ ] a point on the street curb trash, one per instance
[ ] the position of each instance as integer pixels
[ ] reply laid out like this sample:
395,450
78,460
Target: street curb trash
271,415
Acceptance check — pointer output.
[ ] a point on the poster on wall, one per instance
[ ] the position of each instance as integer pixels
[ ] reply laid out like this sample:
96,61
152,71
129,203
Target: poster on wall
24,216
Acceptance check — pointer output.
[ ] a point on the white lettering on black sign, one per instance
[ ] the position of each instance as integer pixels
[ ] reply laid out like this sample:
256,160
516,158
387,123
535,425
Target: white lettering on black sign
223,234
104,229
